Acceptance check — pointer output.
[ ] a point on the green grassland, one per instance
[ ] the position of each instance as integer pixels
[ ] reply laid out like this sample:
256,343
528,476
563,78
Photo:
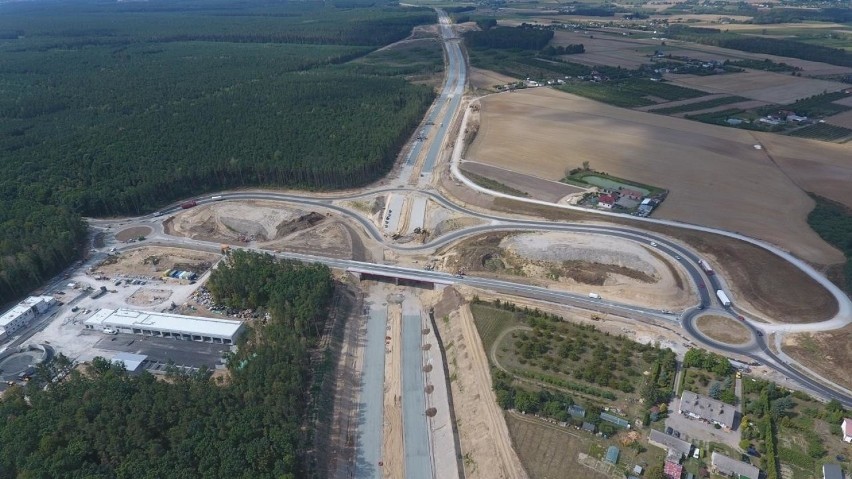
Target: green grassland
631,93
701,105
823,131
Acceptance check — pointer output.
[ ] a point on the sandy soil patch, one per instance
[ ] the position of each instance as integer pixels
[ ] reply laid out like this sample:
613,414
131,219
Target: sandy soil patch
240,221
332,238
757,85
154,260
823,353
582,263
841,119
533,186
723,329
488,80
440,221
484,437
393,455
149,296
533,130
132,233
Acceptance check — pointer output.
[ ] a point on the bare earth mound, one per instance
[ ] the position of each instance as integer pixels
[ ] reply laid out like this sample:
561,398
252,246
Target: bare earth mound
823,352
716,176
153,260
132,233
576,262
723,329
241,221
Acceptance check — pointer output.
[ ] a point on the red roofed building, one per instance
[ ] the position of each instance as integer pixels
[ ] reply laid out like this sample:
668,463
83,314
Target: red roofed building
846,427
672,470
632,194
606,201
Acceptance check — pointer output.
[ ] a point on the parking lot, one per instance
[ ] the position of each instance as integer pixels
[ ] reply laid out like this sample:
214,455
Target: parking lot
187,355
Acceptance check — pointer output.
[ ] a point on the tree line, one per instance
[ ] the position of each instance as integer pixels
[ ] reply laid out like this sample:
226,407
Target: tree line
525,37
770,46
103,423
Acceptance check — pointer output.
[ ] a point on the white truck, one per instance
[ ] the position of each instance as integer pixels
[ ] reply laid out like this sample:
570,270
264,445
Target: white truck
706,267
594,296
723,298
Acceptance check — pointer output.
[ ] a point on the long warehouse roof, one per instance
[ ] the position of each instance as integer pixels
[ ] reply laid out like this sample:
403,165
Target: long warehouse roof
127,318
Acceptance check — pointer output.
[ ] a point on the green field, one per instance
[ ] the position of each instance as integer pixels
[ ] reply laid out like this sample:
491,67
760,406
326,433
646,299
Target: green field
823,131
631,93
701,105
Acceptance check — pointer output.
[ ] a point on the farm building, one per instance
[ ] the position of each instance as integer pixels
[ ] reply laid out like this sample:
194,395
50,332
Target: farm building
606,201
24,312
577,411
612,455
707,409
672,470
620,422
831,471
132,362
670,443
186,328
726,466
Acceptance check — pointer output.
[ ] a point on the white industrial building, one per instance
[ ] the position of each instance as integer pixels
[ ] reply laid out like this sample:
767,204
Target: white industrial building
175,326
24,312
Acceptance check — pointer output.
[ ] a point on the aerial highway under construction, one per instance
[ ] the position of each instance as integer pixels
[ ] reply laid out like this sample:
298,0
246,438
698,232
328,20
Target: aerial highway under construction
448,110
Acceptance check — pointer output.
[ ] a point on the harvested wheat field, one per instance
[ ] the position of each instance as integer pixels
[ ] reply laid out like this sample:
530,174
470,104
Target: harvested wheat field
757,85
714,174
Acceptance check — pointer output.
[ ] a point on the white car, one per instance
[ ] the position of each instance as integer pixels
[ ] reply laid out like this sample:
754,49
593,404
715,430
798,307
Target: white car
110,331
653,244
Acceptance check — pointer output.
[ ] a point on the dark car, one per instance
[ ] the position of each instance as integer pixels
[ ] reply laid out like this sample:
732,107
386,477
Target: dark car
669,431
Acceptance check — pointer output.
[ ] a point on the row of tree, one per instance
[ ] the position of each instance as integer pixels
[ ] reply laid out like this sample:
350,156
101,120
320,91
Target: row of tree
103,423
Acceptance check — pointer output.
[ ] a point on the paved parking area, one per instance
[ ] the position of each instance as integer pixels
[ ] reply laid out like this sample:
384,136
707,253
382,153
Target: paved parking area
184,354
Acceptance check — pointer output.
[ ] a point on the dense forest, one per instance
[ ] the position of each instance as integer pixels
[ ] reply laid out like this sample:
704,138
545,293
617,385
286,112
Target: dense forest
833,222
120,108
104,423
524,37
770,46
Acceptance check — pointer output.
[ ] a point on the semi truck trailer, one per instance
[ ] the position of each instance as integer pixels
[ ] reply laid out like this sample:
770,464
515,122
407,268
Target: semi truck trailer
706,267
189,204
723,298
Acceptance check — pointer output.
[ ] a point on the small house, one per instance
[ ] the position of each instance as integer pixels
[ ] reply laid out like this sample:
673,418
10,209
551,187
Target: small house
606,201
831,471
846,427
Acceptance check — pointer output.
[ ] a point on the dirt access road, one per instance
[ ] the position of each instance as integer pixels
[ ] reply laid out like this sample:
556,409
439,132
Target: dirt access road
531,131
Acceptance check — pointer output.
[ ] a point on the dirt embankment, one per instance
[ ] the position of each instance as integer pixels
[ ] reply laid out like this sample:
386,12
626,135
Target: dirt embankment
484,437
824,353
577,262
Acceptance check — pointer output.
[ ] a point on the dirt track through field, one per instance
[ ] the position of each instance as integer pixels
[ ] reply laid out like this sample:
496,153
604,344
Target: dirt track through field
715,175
